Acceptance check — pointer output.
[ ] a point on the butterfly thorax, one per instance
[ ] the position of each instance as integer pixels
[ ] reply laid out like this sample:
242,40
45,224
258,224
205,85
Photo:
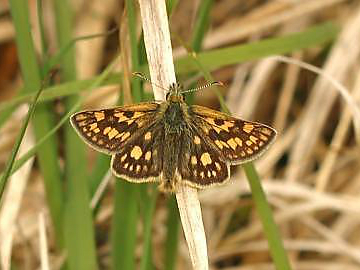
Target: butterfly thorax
175,111
174,118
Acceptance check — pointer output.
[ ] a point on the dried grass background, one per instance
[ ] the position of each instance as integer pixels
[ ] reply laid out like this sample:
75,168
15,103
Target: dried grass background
311,174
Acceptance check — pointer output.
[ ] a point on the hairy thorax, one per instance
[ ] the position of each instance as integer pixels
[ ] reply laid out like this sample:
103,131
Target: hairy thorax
174,119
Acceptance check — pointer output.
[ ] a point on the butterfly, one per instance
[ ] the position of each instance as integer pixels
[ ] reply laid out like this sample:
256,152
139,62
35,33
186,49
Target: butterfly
171,142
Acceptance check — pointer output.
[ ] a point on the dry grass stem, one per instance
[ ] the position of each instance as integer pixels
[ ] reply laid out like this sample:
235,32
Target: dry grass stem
44,256
346,52
160,59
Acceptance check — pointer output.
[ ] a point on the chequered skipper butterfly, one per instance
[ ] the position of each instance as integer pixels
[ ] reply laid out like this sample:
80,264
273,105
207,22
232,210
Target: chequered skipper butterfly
171,142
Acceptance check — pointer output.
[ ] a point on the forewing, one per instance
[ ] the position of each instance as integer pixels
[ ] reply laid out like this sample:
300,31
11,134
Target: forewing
142,159
200,165
108,130
237,141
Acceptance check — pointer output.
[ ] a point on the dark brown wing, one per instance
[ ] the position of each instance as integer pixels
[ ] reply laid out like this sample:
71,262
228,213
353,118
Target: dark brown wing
236,140
142,159
108,130
200,165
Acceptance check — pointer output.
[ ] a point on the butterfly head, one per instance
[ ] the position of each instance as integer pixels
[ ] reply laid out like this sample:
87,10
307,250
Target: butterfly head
175,93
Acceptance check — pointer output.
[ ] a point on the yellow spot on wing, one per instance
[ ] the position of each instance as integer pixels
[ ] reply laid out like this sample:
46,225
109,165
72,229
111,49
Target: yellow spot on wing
227,125
225,144
99,116
123,158
125,136
253,139
263,137
248,142
113,133
205,159
147,136
129,122
219,144
217,129
210,121
106,130
121,116
248,127
148,155
93,126
205,129
80,117
82,123
138,114
232,143
119,135
217,165
136,152
197,140
193,160
238,141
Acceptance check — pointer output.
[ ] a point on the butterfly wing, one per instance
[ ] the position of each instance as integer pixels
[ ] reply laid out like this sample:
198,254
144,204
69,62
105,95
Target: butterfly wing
200,165
237,141
142,159
108,130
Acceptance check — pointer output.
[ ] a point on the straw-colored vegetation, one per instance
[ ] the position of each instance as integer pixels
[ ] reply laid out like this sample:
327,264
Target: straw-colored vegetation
62,209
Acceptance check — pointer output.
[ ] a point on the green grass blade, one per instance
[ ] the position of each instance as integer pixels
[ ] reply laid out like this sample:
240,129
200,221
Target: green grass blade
135,62
10,163
231,55
171,5
57,91
52,92
172,234
126,208
43,119
148,200
123,238
96,83
216,58
79,231
201,24
271,231
98,172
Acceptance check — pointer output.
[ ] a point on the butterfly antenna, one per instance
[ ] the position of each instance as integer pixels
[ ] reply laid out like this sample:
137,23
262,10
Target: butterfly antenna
203,87
142,76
